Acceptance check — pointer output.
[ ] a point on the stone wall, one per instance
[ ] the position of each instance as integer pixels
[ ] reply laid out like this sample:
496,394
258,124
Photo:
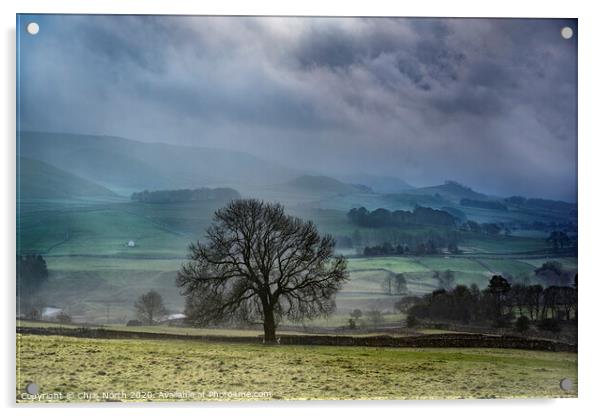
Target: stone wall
420,341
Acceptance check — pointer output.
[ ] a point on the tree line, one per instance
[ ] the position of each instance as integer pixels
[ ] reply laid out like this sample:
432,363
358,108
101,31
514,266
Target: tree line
538,203
395,240
501,303
395,284
419,247
484,228
382,217
185,195
566,226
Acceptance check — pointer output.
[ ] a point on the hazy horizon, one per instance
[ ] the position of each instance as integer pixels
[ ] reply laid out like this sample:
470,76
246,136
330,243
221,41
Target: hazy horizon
490,103
346,177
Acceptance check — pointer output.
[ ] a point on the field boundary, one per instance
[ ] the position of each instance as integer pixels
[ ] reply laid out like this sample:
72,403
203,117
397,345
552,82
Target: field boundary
419,341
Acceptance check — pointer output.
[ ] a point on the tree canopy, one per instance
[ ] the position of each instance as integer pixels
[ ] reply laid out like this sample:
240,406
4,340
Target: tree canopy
150,308
382,217
259,264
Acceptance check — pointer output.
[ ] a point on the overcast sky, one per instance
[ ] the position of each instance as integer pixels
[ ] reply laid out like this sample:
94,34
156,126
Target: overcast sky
489,103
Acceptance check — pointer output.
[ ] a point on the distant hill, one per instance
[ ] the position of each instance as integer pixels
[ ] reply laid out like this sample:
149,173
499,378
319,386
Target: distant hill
325,184
451,190
186,195
477,203
380,184
538,203
411,199
119,163
37,179
114,168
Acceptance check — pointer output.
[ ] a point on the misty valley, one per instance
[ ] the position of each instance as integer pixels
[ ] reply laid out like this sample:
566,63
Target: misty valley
112,219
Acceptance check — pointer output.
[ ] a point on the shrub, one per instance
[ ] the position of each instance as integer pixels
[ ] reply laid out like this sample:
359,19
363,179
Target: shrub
133,322
411,321
522,324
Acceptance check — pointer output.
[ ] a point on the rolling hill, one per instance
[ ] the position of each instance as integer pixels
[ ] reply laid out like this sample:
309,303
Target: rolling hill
325,184
450,190
37,179
380,184
125,165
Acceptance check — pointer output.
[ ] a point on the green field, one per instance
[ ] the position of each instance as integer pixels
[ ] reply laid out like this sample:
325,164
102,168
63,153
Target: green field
99,226
154,370
103,289
95,277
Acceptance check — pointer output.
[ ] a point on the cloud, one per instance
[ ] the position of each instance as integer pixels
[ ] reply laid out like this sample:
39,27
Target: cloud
490,102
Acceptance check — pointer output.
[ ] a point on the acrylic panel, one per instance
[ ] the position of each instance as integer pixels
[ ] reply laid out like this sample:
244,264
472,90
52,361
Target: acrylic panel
220,208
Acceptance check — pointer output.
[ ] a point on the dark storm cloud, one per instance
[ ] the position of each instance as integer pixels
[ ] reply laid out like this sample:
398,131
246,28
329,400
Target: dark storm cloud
487,102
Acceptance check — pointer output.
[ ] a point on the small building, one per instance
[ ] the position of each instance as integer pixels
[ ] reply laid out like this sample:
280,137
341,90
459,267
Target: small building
50,312
175,319
131,243
176,316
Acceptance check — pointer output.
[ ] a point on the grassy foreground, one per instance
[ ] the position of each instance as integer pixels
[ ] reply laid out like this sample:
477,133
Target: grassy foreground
72,369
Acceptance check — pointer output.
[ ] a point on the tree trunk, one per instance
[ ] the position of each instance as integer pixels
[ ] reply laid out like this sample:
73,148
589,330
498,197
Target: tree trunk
269,326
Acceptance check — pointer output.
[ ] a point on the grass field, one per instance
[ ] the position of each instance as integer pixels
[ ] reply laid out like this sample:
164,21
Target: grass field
95,277
103,289
89,227
157,370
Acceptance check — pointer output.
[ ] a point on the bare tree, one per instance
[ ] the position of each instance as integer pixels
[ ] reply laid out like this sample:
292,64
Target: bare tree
395,284
260,264
356,314
499,288
518,297
149,307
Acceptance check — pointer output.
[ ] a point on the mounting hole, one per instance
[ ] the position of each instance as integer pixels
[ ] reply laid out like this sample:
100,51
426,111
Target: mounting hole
33,28
32,388
566,32
566,384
